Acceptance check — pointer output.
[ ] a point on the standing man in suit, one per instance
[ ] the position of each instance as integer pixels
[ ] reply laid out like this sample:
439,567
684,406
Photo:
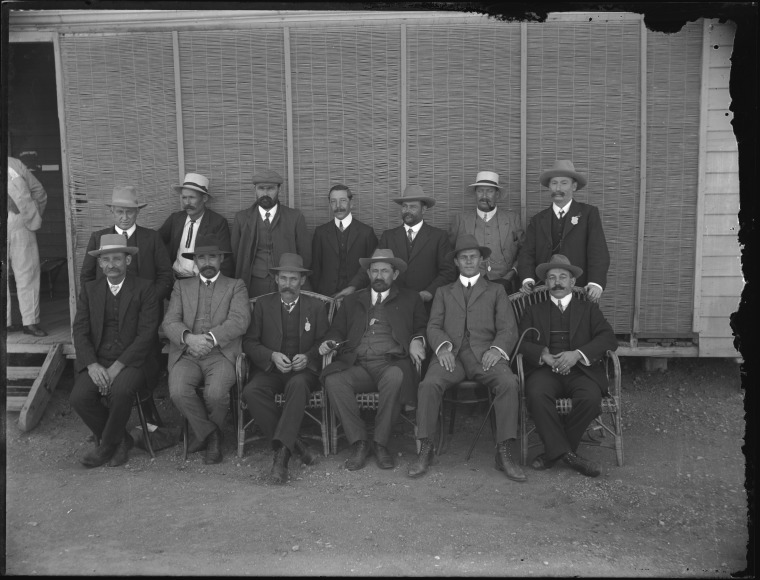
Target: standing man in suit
568,227
151,263
338,245
283,343
471,329
265,231
499,230
26,204
115,336
182,228
564,362
206,320
379,336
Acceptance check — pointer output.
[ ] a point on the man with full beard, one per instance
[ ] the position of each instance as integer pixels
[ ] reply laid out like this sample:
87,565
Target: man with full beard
283,342
206,320
379,336
265,231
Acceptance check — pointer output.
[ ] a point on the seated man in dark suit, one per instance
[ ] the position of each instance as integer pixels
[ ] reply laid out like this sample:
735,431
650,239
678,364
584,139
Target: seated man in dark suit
205,323
562,363
181,229
471,329
115,335
379,336
283,343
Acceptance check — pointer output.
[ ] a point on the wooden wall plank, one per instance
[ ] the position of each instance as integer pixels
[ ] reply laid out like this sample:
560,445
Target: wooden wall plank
722,203
715,326
720,56
722,285
719,306
727,162
722,183
719,98
720,143
727,246
721,224
719,120
720,77
722,33
720,266
721,346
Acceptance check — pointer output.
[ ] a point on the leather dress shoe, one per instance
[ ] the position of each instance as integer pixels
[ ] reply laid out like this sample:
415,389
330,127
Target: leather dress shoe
213,447
505,463
424,459
581,465
14,327
383,458
540,463
98,456
194,444
279,473
122,449
302,449
359,457
34,330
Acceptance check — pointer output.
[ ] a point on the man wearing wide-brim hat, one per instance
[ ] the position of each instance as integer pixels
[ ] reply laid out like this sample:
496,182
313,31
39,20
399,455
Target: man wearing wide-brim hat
379,336
472,331
151,263
282,342
495,227
421,246
564,361
568,227
265,231
115,334
205,323
195,219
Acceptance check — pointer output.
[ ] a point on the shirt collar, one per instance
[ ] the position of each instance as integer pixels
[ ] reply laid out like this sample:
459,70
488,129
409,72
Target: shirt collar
565,301
197,220
486,216
346,221
556,208
117,286
203,278
464,280
272,211
289,303
414,228
129,232
383,295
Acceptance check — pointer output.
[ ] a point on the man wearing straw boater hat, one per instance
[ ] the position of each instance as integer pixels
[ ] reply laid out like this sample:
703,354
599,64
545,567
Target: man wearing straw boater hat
568,227
564,361
182,228
205,322
496,228
150,263
378,333
421,246
265,231
283,343
472,331
115,337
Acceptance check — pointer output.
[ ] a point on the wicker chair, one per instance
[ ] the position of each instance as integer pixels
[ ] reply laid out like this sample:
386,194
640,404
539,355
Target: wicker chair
474,394
609,420
316,409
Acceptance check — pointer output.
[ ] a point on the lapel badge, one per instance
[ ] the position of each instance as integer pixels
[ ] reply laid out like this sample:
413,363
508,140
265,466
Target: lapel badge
307,326
574,220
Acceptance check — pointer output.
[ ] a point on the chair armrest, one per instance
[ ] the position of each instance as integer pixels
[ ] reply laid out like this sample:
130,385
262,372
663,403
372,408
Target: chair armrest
614,374
242,367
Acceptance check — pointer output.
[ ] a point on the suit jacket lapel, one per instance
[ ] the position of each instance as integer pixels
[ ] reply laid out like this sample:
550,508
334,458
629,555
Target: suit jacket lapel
575,316
220,289
458,293
568,219
191,301
544,321
420,240
125,297
353,232
469,222
98,311
545,222
400,243
332,238
179,226
477,290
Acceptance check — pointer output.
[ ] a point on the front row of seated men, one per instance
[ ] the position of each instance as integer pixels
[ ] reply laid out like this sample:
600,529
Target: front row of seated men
380,336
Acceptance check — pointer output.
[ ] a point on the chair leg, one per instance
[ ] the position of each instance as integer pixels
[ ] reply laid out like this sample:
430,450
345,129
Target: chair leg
153,412
185,439
441,438
325,429
144,425
240,430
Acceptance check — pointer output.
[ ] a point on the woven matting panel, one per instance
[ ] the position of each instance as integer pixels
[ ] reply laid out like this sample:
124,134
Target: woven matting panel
347,120
120,127
584,105
674,69
233,111
463,113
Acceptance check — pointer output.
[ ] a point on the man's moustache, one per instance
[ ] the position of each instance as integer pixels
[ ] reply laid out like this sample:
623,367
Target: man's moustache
558,287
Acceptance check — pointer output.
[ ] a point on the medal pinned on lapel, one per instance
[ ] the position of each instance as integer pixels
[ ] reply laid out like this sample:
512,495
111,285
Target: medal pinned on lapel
307,326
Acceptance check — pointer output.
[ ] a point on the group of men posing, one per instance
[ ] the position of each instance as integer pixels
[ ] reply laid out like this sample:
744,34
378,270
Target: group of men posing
421,302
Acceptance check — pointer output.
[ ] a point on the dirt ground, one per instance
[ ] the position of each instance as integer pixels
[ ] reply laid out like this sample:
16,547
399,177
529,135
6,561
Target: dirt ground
677,507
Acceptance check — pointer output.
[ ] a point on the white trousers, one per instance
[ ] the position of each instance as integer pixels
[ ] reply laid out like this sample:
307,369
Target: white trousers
24,258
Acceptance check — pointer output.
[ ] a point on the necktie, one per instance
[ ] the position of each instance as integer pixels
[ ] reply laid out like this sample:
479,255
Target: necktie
409,236
467,291
124,233
561,306
207,282
114,290
288,306
266,219
561,213
379,299
189,234
341,226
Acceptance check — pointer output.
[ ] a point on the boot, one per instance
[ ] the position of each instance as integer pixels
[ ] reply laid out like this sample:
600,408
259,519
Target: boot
505,463
424,459
213,447
302,449
279,473
359,457
121,455
581,465
98,456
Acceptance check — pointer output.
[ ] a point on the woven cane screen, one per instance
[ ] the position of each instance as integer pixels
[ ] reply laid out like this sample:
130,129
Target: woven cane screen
120,128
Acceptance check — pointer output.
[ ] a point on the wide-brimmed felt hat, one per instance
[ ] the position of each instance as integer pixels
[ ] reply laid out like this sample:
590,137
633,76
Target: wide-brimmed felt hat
562,168
558,261
113,243
194,181
415,193
125,196
468,242
290,263
486,178
267,176
383,256
206,244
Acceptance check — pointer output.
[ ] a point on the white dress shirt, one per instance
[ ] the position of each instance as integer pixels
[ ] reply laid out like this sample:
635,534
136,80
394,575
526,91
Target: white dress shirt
128,233
346,221
565,303
272,212
183,266
415,229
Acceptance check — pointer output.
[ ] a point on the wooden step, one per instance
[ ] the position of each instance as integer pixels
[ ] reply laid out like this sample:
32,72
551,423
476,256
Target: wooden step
22,373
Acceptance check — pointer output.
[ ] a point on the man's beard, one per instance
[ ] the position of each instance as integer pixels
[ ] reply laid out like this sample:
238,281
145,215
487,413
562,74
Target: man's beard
209,271
266,202
487,203
380,285
288,294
